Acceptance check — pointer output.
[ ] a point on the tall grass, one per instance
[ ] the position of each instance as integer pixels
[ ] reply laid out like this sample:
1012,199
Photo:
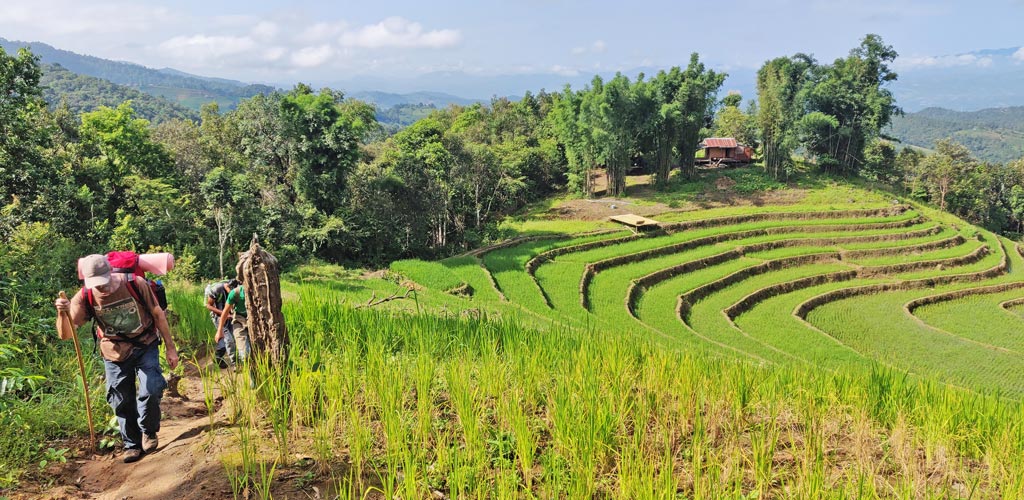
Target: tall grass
403,405
860,400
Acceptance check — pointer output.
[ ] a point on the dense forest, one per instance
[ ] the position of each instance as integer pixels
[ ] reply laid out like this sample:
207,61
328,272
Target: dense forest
995,135
83,93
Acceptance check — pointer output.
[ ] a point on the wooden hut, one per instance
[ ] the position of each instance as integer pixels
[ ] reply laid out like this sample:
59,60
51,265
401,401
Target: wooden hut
717,150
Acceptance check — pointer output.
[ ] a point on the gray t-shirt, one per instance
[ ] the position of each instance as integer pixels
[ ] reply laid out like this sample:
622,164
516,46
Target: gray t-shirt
219,293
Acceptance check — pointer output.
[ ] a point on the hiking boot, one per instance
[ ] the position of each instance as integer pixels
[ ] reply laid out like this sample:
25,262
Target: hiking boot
149,443
132,455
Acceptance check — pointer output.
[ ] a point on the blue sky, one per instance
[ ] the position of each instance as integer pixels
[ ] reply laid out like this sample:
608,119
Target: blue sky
323,42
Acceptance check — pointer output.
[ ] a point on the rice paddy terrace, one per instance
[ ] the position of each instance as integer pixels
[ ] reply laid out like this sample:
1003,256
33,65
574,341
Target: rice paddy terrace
847,345
835,287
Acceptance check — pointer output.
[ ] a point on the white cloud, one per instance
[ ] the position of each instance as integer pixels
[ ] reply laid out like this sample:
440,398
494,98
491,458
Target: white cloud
942,61
251,46
205,47
1019,55
398,32
274,54
311,57
321,32
264,30
595,47
71,17
564,71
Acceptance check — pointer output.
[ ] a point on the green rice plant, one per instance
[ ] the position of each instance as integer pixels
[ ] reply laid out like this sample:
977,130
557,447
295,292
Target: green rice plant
237,479
508,265
192,325
429,274
424,373
274,390
566,268
876,326
207,377
772,322
386,376
242,475
465,399
979,318
360,443
265,478
567,403
764,440
706,316
525,438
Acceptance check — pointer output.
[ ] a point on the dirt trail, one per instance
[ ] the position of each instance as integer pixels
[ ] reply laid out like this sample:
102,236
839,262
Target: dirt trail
182,466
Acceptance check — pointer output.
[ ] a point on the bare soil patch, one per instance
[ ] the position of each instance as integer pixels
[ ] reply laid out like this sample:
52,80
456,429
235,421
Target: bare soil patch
719,193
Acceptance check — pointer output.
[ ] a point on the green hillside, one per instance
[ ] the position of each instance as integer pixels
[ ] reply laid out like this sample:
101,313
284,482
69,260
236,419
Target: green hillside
995,135
84,93
181,88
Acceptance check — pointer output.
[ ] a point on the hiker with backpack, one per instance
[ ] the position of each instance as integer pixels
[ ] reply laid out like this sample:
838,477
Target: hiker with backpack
234,307
216,296
130,324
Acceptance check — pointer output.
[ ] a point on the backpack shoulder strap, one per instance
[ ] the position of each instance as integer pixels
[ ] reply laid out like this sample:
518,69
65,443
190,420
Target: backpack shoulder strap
90,309
133,288
90,306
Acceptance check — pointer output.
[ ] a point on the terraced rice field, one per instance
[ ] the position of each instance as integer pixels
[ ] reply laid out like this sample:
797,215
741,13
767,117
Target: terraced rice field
839,288
868,349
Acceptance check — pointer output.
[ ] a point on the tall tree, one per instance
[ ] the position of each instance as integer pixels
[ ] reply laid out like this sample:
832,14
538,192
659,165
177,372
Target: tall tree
25,133
697,99
119,154
574,136
667,122
326,146
779,83
730,121
939,172
616,130
851,93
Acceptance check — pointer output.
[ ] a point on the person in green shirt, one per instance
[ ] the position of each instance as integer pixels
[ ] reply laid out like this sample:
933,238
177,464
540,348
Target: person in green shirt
234,307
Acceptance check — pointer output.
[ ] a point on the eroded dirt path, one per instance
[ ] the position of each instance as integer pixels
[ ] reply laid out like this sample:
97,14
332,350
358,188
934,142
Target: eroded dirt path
185,465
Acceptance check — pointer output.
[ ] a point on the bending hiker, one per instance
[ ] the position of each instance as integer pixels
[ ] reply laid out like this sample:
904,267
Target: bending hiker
129,327
234,306
216,295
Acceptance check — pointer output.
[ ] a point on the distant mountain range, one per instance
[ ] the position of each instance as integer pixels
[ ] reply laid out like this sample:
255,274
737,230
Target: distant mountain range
385,100
85,82
992,79
187,90
995,135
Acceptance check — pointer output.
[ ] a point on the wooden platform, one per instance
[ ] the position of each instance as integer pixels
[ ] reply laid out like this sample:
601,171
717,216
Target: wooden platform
635,221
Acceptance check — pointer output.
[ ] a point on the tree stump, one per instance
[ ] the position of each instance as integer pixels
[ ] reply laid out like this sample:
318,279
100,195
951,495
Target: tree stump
261,278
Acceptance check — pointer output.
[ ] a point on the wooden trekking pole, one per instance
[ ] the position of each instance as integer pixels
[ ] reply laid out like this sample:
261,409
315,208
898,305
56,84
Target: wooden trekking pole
65,318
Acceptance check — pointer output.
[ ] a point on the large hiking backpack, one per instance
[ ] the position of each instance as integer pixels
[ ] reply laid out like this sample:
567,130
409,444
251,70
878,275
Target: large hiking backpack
128,262
136,294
